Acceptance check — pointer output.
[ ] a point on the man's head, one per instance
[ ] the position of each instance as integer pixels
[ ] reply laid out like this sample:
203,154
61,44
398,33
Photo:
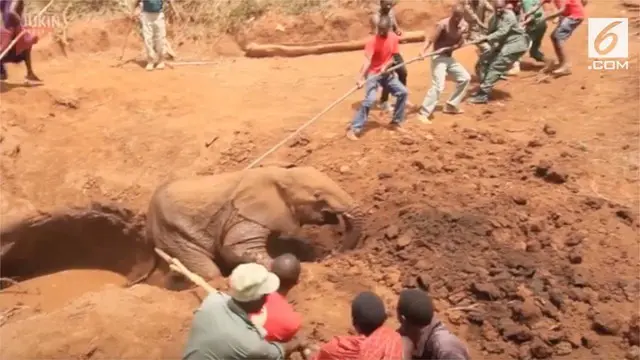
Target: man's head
250,284
367,313
384,25
287,268
415,310
457,12
385,6
499,6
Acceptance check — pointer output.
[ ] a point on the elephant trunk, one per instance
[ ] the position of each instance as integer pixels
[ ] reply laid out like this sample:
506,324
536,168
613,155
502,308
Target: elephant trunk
354,221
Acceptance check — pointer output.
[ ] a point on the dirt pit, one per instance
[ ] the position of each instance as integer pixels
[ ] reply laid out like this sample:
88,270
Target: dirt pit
519,217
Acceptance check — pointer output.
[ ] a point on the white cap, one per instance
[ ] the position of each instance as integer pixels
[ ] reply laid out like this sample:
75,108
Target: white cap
249,282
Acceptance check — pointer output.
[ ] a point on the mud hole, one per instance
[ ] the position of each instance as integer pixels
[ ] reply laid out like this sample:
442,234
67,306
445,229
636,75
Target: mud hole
110,237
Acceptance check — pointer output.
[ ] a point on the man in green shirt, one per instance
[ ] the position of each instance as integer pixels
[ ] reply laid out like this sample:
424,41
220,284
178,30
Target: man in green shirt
508,41
536,26
221,328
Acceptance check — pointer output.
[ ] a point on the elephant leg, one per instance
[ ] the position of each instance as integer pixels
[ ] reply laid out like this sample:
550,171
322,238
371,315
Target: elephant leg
197,261
246,242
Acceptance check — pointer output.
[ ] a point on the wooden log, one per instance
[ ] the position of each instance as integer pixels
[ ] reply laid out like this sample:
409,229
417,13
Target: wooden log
254,50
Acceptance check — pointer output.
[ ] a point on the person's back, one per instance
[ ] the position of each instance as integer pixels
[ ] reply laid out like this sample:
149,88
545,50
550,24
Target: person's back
218,333
282,322
438,343
426,336
221,328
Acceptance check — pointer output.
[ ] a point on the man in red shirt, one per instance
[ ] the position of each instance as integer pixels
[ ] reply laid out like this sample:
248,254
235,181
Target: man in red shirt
277,316
379,53
571,14
374,340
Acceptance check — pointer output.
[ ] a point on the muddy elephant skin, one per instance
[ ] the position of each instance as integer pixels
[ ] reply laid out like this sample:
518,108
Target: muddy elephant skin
229,216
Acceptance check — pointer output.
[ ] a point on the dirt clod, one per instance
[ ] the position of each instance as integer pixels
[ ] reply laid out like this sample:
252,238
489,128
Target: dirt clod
633,331
540,350
607,324
589,341
392,232
575,256
633,353
486,291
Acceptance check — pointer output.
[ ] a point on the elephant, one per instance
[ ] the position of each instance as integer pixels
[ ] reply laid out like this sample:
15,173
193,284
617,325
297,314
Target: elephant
229,217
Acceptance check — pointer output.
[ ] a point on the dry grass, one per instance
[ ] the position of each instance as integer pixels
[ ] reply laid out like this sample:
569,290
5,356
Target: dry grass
196,18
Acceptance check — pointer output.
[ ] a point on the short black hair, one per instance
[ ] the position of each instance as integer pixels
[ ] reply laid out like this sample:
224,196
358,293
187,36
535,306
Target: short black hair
368,312
287,267
416,307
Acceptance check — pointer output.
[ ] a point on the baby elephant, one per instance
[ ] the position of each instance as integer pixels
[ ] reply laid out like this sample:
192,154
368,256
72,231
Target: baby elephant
228,217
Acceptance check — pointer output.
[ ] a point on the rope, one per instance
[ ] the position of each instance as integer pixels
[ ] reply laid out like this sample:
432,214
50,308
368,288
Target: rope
333,104
12,44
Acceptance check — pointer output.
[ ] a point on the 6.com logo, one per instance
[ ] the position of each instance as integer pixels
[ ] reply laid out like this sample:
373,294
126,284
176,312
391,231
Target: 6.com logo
608,40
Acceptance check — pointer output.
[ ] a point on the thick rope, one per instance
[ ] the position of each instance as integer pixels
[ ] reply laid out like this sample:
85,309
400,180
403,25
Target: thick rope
333,104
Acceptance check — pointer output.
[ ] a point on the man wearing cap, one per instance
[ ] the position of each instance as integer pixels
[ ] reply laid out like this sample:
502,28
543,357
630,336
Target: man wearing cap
221,328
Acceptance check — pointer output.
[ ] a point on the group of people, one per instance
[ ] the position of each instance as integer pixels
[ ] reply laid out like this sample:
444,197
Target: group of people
255,321
12,28
502,32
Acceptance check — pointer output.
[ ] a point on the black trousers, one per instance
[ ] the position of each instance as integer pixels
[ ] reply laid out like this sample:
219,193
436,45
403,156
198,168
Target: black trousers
402,76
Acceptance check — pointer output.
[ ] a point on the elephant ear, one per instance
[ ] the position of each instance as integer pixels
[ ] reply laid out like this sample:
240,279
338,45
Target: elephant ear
261,202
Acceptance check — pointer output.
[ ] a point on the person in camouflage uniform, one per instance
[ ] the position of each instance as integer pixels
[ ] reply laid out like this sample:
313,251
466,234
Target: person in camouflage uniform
508,41
476,13
535,25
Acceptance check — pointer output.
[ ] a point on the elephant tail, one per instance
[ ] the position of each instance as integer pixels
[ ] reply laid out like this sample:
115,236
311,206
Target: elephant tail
96,236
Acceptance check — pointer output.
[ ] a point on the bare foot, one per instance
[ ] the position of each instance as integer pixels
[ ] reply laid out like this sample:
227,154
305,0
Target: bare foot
32,77
562,71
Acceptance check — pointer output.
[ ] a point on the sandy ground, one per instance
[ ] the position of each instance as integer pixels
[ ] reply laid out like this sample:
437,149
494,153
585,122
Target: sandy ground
537,265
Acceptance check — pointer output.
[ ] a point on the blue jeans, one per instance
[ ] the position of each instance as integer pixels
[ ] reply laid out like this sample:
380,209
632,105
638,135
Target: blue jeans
565,28
396,88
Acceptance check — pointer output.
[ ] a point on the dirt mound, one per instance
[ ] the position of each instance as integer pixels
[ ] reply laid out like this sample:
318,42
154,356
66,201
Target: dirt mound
99,236
111,324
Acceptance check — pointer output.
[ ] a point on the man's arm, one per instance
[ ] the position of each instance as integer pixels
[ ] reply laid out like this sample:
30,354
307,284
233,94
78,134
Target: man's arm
267,350
561,7
13,13
394,23
472,14
368,53
430,40
534,9
373,23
